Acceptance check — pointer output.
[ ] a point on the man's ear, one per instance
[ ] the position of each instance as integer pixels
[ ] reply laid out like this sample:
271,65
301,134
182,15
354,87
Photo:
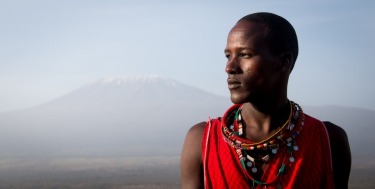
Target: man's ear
286,62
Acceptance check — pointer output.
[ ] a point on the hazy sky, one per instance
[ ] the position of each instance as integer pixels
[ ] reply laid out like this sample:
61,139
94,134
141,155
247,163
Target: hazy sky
49,48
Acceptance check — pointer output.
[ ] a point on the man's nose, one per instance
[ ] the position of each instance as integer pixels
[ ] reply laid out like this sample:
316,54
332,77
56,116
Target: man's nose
232,66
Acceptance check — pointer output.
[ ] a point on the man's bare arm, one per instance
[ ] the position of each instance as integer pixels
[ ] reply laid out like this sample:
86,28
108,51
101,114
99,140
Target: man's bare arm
191,158
341,155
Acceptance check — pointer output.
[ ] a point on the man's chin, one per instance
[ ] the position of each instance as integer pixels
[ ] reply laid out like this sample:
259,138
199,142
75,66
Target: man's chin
236,99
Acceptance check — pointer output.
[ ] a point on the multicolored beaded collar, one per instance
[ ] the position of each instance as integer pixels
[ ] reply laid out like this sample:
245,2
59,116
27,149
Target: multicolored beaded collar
232,130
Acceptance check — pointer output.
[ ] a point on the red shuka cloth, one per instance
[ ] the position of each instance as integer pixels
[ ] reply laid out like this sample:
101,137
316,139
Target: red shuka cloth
312,167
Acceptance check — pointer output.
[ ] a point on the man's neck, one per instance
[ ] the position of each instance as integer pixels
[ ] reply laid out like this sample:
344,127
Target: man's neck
262,122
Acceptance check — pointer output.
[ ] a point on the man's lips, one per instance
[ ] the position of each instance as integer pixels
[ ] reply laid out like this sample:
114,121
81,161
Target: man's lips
233,83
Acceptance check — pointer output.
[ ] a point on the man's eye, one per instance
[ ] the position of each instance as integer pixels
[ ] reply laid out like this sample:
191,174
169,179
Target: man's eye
227,56
244,55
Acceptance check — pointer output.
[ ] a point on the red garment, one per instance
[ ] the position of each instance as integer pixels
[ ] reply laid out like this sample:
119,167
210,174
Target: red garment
312,167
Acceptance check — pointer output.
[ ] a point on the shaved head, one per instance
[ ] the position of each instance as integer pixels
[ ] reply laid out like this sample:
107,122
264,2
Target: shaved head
279,33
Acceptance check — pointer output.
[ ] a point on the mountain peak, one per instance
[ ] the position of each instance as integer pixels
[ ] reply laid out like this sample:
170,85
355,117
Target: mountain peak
150,79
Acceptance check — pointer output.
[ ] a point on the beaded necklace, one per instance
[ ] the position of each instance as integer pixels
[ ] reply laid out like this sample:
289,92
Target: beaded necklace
284,136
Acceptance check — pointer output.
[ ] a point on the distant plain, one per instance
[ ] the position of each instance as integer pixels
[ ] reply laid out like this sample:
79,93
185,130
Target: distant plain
118,173
127,133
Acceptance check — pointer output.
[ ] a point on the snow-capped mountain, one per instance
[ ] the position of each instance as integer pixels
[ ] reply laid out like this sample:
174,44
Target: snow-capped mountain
115,115
129,91
139,115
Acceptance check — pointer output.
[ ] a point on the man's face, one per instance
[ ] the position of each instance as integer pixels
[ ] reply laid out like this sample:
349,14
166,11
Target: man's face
252,69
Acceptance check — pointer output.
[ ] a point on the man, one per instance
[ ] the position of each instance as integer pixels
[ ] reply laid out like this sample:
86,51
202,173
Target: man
264,140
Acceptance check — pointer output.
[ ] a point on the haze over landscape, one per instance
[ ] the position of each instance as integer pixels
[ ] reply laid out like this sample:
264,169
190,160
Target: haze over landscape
113,115
111,127
50,48
100,94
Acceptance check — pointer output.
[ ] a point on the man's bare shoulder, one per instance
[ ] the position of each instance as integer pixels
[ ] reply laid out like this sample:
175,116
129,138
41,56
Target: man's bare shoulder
197,129
200,125
335,131
191,157
341,155
193,140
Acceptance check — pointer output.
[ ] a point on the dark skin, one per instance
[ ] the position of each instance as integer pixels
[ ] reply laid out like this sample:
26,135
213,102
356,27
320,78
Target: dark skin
341,156
258,79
